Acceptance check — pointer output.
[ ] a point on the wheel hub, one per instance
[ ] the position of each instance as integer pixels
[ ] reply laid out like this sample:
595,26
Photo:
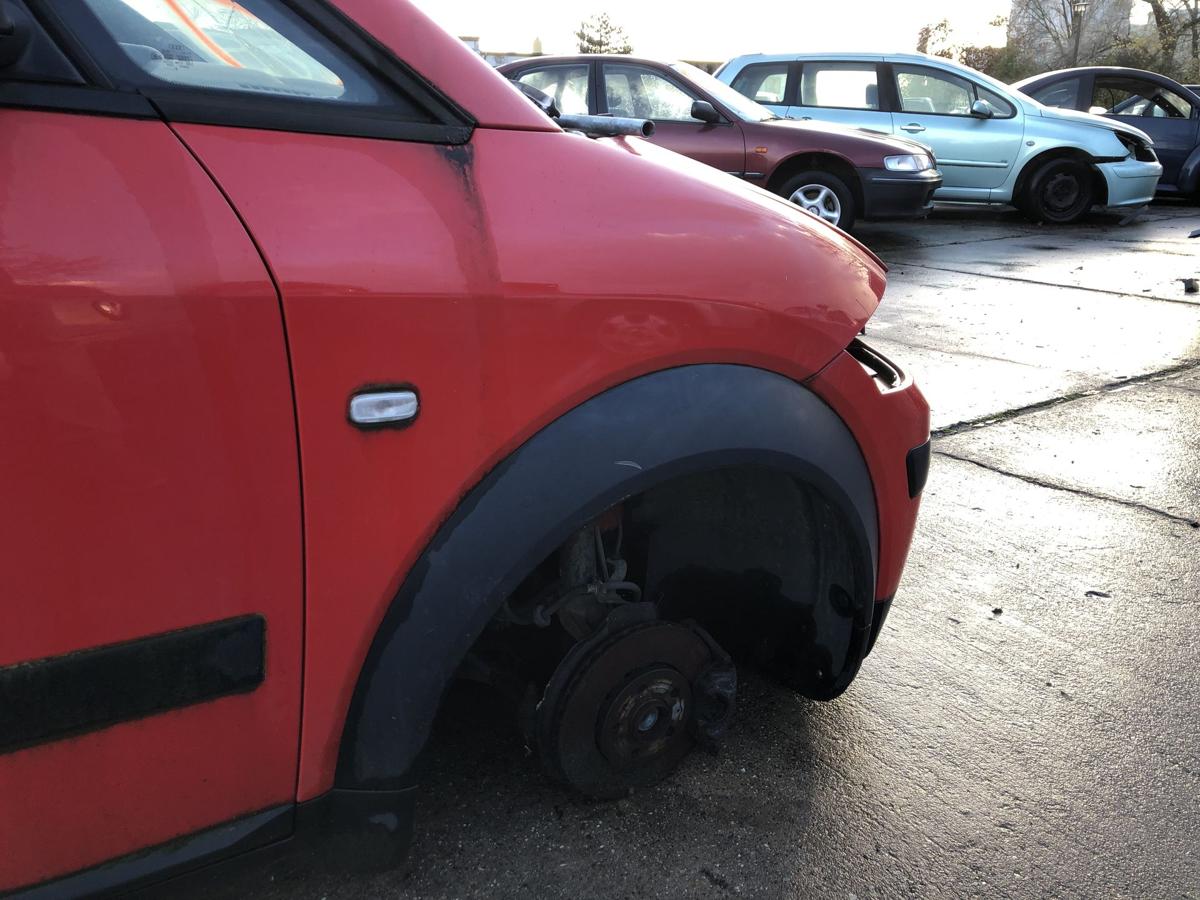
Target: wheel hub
645,717
620,711
1062,191
818,200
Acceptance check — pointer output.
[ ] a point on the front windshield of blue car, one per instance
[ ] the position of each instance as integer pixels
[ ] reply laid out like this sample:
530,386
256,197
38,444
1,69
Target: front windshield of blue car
741,106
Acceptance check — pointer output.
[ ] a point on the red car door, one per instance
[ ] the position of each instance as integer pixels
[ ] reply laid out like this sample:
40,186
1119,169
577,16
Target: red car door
150,538
357,192
645,92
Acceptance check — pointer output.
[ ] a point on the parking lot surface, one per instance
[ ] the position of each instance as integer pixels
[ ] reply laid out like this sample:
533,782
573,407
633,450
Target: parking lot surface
1027,724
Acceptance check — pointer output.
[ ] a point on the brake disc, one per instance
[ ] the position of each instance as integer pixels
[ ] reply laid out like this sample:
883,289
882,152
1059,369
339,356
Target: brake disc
621,710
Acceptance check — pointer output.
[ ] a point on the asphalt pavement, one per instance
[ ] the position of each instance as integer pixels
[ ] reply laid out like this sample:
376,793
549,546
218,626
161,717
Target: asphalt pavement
1027,725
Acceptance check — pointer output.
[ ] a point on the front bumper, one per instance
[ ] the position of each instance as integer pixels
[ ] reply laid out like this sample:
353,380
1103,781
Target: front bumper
1131,182
889,418
899,195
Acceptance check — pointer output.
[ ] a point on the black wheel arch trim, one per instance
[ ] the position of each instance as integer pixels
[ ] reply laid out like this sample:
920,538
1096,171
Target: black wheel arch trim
615,445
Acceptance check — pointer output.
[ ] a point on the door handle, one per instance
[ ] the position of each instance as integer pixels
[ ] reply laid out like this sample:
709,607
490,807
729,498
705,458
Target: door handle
806,118
912,127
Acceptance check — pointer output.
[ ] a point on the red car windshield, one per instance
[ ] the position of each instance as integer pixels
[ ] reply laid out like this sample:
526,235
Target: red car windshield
215,44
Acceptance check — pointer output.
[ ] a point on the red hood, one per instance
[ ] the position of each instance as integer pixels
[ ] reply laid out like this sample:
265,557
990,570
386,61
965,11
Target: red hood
622,218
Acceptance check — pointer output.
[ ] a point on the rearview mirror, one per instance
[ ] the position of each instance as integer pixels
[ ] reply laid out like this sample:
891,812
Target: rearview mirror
981,109
705,112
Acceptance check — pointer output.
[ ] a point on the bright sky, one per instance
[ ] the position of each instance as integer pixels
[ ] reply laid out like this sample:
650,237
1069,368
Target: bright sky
710,31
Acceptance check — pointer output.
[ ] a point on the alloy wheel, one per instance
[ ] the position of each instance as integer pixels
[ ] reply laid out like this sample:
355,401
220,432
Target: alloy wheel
820,201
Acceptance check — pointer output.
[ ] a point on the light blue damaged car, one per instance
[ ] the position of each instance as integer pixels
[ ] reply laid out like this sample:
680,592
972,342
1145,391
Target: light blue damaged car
993,144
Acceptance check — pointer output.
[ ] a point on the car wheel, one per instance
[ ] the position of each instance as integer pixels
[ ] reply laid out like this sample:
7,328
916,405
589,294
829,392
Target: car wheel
823,195
1060,191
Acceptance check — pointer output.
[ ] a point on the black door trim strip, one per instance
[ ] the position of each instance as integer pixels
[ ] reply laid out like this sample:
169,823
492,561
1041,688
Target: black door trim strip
60,696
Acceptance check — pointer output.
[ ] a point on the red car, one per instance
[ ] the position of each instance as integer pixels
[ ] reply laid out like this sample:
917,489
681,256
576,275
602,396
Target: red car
333,369
840,174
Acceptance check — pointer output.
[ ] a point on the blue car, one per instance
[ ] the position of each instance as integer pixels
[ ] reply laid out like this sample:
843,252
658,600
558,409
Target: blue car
993,143
1163,108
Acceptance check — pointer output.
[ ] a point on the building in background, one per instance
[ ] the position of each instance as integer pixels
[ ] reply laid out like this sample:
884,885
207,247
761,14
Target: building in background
498,58
1060,34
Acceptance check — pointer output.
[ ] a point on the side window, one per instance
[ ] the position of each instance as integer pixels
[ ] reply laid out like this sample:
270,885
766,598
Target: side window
1132,97
764,83
843,85
1062,94
644,94
1171,106
568,85
1120,96
251,47
925,90
1001,107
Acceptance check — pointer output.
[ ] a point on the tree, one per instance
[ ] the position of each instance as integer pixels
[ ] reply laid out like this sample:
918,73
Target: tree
599,35
1175,20
1004,63
935,39
1059,34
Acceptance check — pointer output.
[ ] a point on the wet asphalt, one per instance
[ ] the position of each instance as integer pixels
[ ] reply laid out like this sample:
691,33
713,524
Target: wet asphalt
1027,725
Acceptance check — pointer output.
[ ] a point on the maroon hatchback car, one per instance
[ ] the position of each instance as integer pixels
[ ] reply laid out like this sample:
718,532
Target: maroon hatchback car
840,174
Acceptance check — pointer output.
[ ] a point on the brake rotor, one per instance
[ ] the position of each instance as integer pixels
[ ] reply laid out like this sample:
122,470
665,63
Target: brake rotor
619,712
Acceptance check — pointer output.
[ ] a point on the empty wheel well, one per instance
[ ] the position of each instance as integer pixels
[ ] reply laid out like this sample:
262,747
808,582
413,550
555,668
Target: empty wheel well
618,449
827,162
759,558
1031,167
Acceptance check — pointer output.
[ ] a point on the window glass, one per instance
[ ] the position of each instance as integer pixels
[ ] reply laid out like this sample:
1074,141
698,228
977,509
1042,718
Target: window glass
845,85
1171,105
930,91
1001,107
1121,96
566,84
644,94
1061,94
1132,97
764,83
248,46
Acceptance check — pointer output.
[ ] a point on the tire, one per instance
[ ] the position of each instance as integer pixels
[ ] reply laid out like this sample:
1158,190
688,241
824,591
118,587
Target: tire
825,191
1061,191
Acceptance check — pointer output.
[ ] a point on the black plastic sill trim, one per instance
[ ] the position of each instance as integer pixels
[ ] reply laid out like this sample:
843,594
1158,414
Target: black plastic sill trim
182,854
